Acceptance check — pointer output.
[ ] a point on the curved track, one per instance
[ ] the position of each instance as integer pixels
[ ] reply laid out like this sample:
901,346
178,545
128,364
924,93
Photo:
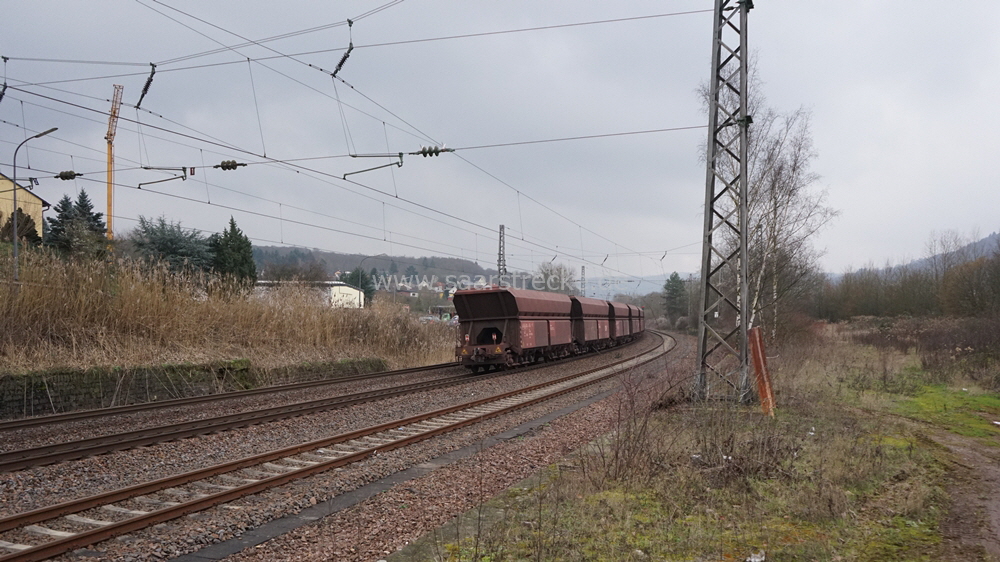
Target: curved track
99,517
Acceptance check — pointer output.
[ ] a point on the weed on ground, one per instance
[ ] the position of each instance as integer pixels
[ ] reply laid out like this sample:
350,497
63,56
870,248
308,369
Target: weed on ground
841,473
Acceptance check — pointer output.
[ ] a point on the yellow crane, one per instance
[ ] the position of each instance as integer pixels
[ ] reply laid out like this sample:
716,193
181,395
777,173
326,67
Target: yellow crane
116,103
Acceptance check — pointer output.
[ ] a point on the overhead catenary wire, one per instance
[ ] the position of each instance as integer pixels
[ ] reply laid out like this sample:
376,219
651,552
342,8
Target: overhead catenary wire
260,126
467,148
260,42
324,27
282,220
3,89
390,257
373,45
347,139
425,207
396,196
283,205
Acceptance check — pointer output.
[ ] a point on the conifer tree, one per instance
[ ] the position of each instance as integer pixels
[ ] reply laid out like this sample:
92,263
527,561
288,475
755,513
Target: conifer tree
76,229
85,212
675,296
180,248
233,254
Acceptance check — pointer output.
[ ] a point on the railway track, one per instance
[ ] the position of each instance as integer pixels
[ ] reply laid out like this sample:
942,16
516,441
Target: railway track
81,448
70,450
86,521
22,423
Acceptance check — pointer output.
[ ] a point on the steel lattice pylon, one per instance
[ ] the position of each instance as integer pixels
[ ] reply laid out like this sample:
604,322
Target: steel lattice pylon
723,361
502,258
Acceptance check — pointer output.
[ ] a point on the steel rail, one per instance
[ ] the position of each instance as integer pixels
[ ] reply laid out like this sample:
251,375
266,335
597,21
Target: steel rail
21,423
57,452
532,395
48,454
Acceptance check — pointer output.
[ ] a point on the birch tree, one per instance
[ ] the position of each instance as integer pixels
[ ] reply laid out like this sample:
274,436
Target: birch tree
785,209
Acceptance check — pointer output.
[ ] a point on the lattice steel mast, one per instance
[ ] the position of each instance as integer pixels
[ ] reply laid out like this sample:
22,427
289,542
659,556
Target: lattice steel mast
723,357
501,258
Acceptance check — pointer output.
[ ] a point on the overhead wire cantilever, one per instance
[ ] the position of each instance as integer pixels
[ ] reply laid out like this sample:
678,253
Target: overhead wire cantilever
183,176
397,164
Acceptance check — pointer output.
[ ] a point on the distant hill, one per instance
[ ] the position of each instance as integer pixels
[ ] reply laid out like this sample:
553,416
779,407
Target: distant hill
983,247
333,262
980,248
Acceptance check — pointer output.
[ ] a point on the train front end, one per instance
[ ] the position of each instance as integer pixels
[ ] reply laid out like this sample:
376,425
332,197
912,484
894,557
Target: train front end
478,355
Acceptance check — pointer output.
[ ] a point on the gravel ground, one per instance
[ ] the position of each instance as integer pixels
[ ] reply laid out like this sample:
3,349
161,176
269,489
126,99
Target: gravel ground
42,486
389,521
47,485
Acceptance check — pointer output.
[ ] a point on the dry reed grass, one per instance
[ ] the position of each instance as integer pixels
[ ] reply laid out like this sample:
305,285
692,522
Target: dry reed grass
125,313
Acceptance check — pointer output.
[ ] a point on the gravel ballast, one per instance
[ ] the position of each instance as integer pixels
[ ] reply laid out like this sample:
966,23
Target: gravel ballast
46,485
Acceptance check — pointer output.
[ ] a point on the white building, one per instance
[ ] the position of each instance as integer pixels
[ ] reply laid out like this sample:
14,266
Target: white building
343,295
335,293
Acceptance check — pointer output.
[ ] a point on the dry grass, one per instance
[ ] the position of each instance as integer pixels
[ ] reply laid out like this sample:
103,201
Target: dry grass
84,313
824,480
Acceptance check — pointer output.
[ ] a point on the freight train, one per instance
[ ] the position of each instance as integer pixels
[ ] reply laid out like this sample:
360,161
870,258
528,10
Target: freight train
501,327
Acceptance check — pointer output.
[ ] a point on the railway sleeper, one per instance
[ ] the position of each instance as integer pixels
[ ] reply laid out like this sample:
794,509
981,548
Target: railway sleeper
210,486
401,433
300,462
337,453
237,479
88,521
424,426
115,509
320,458
427,425
261,473
279,467
46,532
152,501
181,493
16,547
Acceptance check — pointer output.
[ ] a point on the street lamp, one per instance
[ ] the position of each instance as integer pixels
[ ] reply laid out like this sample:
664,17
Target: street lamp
14,213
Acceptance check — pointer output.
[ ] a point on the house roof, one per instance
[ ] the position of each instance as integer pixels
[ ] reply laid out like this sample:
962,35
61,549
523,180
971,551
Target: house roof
45,204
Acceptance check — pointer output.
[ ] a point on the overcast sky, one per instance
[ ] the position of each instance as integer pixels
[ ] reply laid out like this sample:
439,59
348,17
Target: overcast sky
901,96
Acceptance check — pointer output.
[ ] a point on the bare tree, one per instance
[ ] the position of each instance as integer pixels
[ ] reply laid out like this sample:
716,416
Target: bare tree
785,212
555,278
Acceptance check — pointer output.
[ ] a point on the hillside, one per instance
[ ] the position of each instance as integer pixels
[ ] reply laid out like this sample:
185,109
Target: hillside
980,248
268,257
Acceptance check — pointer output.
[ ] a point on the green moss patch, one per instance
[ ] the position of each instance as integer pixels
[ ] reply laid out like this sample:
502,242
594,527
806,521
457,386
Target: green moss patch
964,412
